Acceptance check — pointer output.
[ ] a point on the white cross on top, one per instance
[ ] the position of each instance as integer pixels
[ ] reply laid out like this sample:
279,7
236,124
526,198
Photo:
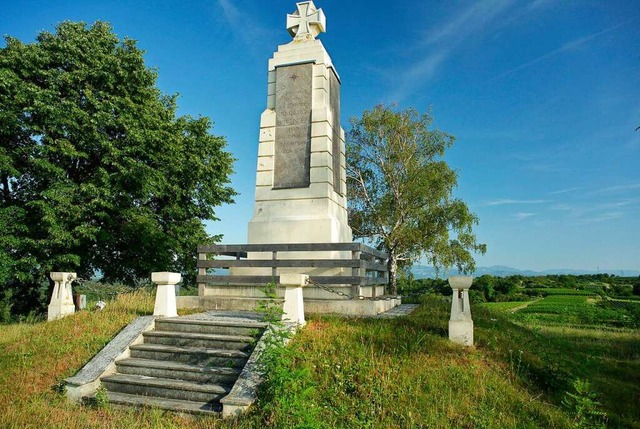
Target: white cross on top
307,22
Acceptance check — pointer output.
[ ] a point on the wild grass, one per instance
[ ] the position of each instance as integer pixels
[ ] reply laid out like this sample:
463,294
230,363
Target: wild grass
553,353
400,373
344,373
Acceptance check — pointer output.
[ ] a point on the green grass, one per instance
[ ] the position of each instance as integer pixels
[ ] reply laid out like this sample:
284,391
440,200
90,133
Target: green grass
350,373
565,291
564,338
581,310
504,306
399,373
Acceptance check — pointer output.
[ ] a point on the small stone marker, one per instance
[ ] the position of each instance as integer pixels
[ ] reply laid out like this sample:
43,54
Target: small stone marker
293,302
80,301
61,303
460,323
166,293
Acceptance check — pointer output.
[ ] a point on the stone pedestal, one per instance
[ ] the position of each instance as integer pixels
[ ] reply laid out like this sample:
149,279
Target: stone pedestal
460,323
293,300
301,178
166,293
61,303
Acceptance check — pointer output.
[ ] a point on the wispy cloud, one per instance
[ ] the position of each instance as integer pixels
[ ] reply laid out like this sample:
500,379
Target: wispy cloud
442,42
469,22
601,217
565,191
505,201
538,4
523,215
566,47
240,21
617,189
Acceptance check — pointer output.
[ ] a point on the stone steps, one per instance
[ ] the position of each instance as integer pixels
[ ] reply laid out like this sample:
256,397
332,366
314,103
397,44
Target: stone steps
236,328
234,342
177,370
194,355
185,364
164,387
215,302
211,408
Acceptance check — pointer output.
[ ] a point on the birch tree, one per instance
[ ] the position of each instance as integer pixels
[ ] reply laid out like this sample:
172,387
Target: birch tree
401,192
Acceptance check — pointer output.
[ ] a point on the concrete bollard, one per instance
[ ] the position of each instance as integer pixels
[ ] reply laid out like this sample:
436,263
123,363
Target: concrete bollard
293,297
460,322
61,304
166,293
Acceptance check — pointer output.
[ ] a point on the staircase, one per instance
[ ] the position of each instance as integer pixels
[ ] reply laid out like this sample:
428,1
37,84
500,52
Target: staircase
187,364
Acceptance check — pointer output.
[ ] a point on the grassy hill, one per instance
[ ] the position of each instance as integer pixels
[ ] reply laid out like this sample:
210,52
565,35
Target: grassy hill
360,373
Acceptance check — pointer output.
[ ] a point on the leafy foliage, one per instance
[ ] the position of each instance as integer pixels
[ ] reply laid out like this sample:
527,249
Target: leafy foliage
584,404
400,191
97,170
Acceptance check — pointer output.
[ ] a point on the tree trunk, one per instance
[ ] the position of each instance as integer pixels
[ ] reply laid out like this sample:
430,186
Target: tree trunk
392,264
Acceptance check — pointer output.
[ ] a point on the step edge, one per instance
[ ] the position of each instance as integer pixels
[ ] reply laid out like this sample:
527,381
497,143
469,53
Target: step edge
177,366
130,379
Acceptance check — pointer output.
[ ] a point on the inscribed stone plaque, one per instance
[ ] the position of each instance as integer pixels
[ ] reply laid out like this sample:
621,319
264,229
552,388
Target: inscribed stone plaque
334,91
292,164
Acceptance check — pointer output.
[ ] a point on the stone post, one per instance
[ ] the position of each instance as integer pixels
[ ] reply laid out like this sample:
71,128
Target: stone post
61,303
293,302
166,293
460,323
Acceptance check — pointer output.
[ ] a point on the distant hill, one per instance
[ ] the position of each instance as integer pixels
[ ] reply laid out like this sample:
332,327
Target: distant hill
423,271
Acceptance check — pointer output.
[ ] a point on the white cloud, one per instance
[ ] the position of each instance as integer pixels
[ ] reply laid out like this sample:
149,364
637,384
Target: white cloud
565,191
239,21
506,201
566,47
523,215
617,189
442,42
602,217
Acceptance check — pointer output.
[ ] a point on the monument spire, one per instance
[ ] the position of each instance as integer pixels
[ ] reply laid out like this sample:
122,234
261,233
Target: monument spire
307,22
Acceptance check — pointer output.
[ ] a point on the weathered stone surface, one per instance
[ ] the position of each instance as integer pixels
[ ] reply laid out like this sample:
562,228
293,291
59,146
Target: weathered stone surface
293,126
61,304
87,380
460,322
334,90
165,305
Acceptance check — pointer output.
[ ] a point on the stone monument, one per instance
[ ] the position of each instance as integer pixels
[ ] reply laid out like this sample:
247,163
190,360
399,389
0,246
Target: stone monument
301,178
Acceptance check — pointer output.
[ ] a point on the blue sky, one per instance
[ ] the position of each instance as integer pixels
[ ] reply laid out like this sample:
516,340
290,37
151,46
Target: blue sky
542,95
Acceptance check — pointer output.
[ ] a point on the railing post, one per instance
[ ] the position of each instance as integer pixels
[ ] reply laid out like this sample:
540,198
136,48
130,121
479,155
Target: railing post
166,293
274,270
202,272
61,304
460,322
356,272
293,308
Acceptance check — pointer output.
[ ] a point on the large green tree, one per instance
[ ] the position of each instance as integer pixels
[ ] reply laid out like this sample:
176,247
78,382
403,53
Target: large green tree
401,192
97,170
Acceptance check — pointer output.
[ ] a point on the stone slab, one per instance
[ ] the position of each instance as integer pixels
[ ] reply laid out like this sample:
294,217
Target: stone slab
293,126
334,102
87,380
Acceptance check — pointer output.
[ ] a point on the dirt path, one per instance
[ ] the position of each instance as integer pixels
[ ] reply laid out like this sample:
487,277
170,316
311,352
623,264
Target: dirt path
525,305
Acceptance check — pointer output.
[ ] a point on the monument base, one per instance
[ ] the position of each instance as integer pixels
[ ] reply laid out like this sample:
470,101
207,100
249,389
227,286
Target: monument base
346,307
461,332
